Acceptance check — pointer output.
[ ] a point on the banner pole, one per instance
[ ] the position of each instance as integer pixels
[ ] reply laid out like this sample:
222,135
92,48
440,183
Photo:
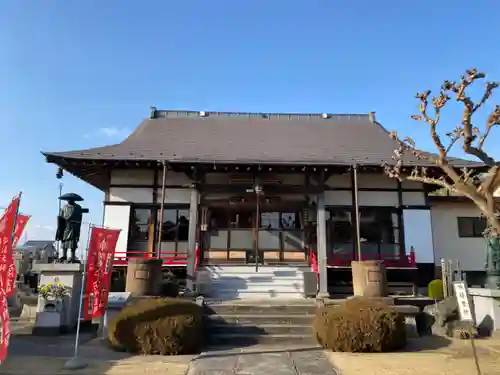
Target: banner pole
58,243
12,237
75,363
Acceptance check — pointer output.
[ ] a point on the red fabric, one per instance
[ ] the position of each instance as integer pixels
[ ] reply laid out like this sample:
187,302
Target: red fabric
21,222
4,318
7,266
100,257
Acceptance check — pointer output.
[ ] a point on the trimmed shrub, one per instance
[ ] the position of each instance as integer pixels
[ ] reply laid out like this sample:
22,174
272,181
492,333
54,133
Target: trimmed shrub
170,285
435,289
360,325
165,326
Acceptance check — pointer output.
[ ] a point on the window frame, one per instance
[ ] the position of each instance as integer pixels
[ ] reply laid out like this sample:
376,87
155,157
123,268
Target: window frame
399,226
472,220
155,212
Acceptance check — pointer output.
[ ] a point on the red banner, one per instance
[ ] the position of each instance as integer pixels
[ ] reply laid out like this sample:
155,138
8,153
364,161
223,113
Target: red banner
21,222
5,321
7,266
100,259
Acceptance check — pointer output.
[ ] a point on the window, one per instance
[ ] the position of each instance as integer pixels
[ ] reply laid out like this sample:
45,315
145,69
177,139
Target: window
242,220
175,225
140,221
471,226
219,219
270,220
290,220
378,227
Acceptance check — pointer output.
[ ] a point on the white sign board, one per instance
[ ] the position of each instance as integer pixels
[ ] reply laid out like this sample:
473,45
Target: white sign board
118,299
462,295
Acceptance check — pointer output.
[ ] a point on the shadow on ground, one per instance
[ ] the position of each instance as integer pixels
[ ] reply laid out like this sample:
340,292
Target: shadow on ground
426,343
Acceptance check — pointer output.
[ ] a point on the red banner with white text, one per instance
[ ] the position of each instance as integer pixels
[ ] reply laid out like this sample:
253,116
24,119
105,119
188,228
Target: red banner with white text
98,269
5,321
7,266
21,222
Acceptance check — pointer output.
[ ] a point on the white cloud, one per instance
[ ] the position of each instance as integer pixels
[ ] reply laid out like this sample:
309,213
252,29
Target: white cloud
109,132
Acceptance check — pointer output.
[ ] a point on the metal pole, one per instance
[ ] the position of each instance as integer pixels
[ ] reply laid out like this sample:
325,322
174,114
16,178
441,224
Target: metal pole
356,211
257,225
74,363
162,206
58,244
12,238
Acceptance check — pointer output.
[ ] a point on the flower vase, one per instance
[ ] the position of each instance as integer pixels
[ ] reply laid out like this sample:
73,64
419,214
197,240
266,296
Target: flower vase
53,304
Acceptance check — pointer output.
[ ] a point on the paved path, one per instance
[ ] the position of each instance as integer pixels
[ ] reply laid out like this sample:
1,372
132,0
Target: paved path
309,361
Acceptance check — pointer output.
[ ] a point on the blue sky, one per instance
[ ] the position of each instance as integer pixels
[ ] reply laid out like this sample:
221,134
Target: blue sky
79,74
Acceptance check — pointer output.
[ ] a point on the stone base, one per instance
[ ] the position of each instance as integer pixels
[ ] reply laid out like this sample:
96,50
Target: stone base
486,304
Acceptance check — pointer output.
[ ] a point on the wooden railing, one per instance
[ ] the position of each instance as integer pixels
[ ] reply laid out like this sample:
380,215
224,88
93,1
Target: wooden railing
170,258
390,260
197,256
314,261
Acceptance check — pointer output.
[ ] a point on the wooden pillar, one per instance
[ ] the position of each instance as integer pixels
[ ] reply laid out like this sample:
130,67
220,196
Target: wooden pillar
193,224
321,247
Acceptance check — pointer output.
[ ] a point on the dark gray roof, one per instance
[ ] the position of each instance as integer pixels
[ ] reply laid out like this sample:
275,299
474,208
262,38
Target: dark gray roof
42,244
187,136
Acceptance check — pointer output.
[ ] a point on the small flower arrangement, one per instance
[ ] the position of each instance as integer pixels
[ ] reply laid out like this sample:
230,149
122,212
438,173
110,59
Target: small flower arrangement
53,290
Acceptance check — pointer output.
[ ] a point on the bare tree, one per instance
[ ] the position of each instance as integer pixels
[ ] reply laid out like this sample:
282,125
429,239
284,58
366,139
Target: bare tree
480,188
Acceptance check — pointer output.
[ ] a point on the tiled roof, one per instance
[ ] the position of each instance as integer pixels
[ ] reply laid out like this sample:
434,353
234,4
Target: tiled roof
225,137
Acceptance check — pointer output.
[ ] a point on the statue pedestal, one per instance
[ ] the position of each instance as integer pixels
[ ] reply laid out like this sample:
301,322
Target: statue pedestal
71,276
486,304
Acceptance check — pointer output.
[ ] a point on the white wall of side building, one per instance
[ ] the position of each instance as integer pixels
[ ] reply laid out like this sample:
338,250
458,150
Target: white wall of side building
119,198
469,251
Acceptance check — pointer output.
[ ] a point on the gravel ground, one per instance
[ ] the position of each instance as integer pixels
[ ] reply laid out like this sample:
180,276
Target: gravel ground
54,366
423,357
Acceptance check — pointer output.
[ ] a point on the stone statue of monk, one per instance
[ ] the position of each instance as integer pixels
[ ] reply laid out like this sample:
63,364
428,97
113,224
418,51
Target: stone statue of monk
69,223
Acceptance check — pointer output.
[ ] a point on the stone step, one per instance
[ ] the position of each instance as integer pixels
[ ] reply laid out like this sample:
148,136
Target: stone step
239,340
254,277
262,307
257,288
276,270
252,295
261,329
257,319
245,284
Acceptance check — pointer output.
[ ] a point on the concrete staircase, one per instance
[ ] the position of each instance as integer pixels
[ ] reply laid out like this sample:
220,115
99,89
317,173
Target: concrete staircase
245,323
244,282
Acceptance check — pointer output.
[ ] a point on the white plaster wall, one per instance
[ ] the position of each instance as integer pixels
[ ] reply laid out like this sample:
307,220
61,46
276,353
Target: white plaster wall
339,181
418,233
338,198
376,180
175,196
132,177
470,252
378,198
134,195
414,198
173,178
371,180
118,217
146,177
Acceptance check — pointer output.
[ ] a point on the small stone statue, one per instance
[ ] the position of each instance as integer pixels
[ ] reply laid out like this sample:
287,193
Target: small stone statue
69,223
492,265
